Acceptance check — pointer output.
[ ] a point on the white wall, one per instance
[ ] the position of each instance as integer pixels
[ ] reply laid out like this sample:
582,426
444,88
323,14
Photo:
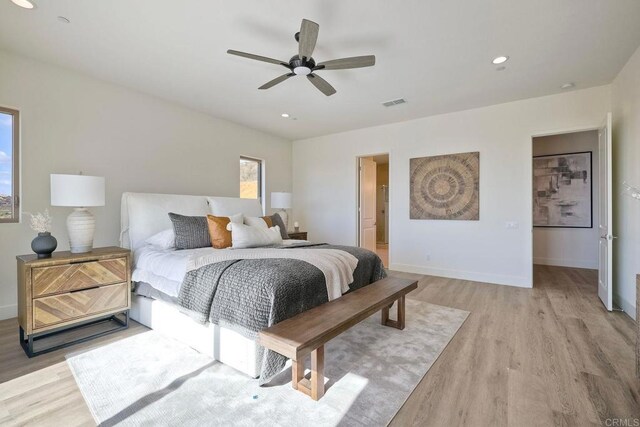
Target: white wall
569,247
139,143
626,167
485,250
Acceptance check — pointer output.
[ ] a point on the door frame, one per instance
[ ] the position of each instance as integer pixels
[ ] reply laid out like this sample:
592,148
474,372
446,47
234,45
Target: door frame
357,204
563,131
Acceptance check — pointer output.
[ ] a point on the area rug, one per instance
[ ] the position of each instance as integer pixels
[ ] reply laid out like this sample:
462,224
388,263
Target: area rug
370,371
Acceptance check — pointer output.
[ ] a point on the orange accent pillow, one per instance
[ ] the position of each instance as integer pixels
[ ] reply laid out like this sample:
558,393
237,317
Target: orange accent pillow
218,233
267,219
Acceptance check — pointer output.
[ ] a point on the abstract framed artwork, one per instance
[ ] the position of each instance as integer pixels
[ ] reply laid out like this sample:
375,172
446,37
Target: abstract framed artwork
445,187
563,190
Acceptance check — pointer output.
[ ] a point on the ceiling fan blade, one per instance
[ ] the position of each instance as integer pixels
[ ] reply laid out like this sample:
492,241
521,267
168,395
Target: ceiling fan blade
322,85
275,81
346,63
258,57
307,39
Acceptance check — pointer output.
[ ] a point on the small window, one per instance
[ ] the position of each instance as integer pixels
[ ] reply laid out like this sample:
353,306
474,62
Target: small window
250,178
9,186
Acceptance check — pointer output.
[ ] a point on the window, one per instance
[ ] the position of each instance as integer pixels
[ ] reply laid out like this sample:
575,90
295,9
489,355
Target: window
250,178
9,197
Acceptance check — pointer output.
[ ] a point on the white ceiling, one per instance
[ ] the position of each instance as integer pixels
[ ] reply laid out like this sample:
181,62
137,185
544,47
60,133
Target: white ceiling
436,54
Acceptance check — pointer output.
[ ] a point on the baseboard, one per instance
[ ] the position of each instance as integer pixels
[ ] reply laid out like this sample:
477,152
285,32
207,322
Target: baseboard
559,262
8,311
625,305
498,279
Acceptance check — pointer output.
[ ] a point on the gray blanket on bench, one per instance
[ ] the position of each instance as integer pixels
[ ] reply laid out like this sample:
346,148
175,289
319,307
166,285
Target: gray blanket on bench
252,294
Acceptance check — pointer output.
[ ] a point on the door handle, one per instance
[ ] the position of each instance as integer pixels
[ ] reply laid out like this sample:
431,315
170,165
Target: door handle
608,237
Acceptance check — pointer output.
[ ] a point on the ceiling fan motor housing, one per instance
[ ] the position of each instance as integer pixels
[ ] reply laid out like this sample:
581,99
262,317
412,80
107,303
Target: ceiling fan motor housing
303,66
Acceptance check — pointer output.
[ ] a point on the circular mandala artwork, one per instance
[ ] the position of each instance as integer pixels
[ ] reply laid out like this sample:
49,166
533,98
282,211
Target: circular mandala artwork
445,187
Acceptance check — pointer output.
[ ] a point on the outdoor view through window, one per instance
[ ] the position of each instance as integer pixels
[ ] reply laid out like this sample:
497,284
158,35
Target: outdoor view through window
8,148
250,178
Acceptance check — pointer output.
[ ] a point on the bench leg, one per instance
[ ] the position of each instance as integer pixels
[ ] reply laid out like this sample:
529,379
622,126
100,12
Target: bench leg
297,373
399,324
315,386
317,373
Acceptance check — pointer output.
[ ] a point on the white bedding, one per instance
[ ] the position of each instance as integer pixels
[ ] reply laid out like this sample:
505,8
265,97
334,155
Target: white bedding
164,269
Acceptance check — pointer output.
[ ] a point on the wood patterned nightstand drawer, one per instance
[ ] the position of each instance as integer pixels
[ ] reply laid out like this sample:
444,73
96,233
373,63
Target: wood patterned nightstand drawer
55,309
83,275
89,291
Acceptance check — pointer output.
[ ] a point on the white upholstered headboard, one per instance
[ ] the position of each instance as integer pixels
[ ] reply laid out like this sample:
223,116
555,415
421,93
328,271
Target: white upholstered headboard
144,214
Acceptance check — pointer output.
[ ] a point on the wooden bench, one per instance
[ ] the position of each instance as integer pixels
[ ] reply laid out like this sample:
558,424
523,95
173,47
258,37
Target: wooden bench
307,332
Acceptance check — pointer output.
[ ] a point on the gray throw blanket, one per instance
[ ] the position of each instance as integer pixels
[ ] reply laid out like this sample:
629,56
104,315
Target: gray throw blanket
250,295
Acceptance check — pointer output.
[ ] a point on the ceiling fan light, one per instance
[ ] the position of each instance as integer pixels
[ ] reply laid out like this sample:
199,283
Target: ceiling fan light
302,71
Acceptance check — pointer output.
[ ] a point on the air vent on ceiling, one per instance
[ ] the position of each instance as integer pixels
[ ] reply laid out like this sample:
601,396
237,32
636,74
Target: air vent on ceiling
394,102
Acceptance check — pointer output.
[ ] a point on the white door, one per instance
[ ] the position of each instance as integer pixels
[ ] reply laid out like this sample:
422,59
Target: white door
367,204
605,206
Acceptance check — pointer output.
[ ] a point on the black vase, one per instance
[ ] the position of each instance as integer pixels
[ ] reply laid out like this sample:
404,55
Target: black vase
44,245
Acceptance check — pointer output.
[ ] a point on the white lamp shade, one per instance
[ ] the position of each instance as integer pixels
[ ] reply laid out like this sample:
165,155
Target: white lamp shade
281,200
77,190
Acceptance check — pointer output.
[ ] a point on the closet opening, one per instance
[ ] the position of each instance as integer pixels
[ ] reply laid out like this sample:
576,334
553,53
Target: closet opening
572,211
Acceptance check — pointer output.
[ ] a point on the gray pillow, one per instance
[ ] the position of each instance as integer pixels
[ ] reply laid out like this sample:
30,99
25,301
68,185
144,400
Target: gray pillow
276,219
191,232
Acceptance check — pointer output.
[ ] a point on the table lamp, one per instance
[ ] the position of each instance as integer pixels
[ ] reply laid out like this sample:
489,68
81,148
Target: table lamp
79,192
282,201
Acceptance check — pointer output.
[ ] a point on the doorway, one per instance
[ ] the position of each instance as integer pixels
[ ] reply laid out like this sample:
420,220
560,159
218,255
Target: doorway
373,205
571,206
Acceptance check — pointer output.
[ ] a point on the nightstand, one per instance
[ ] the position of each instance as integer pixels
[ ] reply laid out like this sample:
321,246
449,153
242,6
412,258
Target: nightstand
297,235
72,292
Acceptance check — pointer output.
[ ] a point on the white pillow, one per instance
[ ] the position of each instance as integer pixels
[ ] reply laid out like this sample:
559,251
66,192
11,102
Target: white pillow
163,240
255,221
235,219
246,236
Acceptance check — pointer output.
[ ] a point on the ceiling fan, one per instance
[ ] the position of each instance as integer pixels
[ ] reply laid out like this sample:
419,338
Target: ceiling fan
303,63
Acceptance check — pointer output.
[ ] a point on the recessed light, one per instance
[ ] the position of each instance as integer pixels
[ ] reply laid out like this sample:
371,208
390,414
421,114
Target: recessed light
63,19
285,115
26,4
567,85
500,60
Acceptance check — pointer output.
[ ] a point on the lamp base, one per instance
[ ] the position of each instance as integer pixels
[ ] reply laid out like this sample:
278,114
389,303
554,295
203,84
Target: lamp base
81,226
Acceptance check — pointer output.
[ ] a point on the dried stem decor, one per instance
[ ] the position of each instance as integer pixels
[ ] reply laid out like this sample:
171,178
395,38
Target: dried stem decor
41,221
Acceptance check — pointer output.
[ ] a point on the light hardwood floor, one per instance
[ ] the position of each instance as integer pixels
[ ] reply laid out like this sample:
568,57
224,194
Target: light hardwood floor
382,250
525,357
551,355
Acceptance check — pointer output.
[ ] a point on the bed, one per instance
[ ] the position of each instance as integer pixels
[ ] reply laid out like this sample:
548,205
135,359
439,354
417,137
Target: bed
161,278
